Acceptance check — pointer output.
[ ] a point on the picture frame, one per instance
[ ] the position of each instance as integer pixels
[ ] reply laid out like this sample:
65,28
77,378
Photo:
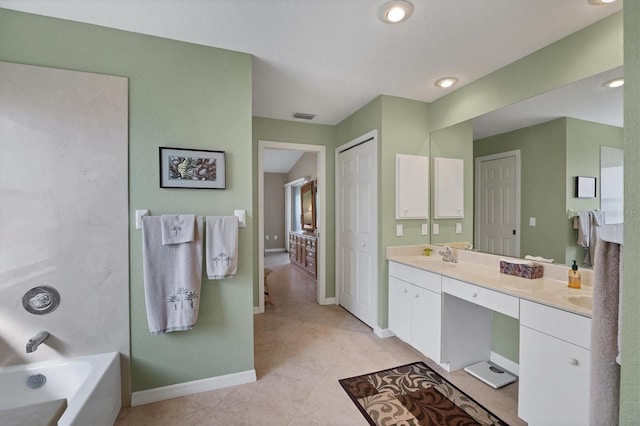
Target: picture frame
192,168
585,187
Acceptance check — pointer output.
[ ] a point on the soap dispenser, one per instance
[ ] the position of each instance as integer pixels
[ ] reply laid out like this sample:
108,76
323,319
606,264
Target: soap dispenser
574,276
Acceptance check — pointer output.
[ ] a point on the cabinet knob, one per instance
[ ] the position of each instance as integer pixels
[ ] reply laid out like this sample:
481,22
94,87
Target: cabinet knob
474,294
573,361
417,295
404,291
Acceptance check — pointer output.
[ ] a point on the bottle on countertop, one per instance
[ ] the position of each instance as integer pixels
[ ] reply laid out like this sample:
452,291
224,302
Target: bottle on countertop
574,276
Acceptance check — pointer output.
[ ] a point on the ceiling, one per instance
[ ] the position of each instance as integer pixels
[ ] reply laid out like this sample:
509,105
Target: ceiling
331,57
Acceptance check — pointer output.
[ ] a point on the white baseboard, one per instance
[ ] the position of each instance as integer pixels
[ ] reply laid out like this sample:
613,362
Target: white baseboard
274,250
328,301
189,388
383,333
257,310
505,363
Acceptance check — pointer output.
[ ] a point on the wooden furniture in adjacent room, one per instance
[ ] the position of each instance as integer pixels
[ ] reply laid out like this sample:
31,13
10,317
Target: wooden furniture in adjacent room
302,252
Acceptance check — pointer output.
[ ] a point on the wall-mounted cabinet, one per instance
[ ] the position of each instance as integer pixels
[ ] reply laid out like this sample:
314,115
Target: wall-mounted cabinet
412,187
448,188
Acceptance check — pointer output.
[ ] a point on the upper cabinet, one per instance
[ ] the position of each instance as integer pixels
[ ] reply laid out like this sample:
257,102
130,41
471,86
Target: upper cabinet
412,187
448,188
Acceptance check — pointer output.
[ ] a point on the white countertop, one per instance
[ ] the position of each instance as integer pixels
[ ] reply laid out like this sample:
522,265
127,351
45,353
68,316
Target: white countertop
483,270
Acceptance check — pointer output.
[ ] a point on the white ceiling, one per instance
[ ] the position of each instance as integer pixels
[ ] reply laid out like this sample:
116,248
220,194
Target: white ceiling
280,160
331,57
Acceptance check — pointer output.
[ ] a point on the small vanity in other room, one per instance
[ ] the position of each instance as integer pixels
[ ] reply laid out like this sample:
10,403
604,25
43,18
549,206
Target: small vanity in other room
303,244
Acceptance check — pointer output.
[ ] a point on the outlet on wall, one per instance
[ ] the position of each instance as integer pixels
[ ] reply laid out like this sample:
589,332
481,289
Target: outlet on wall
275,237
399,230
266,237
436,229
458,228
532,221
425,229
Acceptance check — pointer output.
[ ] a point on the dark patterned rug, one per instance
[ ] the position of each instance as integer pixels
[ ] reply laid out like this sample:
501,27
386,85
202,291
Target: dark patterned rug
414,394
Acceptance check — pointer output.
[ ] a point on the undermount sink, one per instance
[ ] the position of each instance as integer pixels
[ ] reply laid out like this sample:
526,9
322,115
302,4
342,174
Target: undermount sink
582,301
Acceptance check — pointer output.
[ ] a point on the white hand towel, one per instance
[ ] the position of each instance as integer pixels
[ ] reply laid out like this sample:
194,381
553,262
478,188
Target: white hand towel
172,278
177,229
222,246
538,259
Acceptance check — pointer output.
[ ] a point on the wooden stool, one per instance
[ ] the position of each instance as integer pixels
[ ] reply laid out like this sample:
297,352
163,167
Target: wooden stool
267,298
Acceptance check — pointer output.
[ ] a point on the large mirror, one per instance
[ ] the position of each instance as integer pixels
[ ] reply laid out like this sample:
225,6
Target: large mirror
308,206
521,162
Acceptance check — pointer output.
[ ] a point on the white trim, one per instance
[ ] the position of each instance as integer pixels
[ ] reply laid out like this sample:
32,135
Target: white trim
477,192
274,250
373,134
321,166
189,388
256,310
507,364
328,301
383,333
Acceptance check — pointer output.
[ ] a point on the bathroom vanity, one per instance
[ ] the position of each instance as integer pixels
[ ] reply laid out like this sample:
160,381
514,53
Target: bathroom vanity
445,310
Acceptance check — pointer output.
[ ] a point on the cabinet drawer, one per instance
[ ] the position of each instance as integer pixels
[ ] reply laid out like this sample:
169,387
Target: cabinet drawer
564,325
494,300
425,279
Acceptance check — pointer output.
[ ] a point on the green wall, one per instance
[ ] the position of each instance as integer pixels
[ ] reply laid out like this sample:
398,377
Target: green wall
180,95
402,129
299,133
542,157
630,386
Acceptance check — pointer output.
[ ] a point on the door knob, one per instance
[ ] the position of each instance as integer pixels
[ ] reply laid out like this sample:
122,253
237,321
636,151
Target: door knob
363,244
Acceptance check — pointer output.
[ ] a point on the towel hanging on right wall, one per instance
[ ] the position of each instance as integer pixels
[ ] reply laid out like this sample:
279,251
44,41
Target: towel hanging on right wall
222,246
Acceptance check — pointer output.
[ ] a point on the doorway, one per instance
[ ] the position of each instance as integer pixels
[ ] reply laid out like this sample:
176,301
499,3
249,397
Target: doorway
321,221
497,214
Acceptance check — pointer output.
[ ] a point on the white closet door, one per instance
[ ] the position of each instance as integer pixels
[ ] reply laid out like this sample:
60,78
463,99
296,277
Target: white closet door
358,218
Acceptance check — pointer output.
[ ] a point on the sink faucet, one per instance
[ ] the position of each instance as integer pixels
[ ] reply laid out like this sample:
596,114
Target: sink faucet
447,256
36,340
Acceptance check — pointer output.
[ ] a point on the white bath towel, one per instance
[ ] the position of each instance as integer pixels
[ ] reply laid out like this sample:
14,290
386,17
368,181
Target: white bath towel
605,336
588,222
538,259
177,228
222,246
172,278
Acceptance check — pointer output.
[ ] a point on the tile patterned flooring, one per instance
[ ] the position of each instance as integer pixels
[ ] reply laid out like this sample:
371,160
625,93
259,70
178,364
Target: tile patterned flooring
301,350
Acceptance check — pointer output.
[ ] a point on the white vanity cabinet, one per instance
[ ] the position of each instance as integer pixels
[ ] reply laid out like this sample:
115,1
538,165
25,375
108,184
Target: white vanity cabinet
554,365
415,307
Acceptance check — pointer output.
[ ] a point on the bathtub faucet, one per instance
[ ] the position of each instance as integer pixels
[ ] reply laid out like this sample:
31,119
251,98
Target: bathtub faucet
36,340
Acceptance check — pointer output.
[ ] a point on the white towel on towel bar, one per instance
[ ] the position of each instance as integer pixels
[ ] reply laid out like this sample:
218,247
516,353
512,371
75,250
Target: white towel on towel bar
172,278
222,246
177,228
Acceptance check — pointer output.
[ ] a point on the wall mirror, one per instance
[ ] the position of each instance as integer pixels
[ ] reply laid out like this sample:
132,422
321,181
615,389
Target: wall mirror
308,206
559,135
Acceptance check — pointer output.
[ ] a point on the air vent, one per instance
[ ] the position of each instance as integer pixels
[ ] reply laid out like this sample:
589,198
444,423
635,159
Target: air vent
303,115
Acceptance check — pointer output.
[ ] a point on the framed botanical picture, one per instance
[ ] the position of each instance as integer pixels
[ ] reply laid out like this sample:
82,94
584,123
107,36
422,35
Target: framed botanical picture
585,187
192,168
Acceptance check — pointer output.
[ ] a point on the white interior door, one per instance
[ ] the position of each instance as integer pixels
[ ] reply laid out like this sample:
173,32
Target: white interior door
357,234
498,203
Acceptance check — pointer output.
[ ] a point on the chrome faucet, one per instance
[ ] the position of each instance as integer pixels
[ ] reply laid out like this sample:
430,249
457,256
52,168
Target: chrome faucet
447,256
36,340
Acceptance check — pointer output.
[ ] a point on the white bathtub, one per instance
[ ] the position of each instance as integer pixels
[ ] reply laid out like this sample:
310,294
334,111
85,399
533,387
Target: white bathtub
91,385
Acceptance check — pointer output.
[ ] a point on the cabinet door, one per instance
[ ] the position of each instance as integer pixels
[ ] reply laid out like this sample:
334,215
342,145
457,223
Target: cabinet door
400,309
426,308
554,380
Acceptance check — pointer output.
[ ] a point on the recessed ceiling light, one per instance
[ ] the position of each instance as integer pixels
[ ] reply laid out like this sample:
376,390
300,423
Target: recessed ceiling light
446,82
396,11
616,82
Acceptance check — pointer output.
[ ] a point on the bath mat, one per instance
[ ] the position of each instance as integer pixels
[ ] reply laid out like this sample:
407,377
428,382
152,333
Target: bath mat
414,394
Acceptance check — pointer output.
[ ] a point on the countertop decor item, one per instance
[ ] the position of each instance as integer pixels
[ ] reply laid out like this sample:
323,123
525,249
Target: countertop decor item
414,394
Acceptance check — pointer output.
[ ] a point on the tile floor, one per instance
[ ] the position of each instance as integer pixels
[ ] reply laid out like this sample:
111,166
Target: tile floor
301,350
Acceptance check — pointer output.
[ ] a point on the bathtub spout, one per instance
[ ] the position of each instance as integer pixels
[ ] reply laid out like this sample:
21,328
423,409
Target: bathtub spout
36,340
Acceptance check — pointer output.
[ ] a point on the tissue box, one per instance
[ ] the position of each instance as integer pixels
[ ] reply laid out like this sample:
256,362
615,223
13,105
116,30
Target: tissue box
521,270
